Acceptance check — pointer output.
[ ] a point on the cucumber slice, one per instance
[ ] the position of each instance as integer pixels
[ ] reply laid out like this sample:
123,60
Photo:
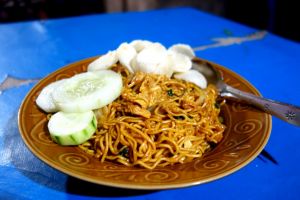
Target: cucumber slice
45,100
88,91
72,128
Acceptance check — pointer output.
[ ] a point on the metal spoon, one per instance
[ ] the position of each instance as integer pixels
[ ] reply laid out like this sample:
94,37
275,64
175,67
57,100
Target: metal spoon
284,111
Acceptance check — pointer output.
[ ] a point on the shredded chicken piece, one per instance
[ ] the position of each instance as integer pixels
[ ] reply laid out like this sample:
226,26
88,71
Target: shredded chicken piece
145,94
130,96
137,110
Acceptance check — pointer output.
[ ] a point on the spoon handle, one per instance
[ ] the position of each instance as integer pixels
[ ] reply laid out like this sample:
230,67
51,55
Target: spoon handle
286,112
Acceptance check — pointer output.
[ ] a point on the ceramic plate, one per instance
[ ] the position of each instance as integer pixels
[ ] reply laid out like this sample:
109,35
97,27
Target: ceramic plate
246,135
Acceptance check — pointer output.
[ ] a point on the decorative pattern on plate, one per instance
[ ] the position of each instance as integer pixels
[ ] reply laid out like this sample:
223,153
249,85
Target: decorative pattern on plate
249,126
216,164
247,133
39,134
74,159
238,107
161,176
232,83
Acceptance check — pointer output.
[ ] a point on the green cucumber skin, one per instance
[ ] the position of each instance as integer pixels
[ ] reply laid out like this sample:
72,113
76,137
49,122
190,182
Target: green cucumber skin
56,139
77,138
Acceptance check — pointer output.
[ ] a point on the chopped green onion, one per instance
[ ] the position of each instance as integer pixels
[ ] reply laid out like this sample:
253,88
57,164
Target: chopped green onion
170,92
124,152
180,117
217,105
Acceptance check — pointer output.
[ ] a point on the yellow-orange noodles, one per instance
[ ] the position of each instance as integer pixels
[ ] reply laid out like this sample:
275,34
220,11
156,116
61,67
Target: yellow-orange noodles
157,121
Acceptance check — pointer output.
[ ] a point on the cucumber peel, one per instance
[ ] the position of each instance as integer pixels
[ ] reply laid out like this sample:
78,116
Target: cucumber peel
72,128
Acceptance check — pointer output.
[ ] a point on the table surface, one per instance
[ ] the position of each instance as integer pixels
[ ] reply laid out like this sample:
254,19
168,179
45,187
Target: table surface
31,50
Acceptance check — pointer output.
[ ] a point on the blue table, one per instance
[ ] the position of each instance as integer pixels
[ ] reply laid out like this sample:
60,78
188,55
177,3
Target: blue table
32,50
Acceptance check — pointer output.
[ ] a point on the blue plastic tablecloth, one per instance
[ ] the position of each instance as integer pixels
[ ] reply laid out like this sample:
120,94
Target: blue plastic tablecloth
32,50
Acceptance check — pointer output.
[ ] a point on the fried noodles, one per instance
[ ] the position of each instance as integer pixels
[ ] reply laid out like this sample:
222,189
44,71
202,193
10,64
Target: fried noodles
157,121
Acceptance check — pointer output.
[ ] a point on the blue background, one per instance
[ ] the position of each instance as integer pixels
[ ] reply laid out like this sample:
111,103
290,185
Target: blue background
32,50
